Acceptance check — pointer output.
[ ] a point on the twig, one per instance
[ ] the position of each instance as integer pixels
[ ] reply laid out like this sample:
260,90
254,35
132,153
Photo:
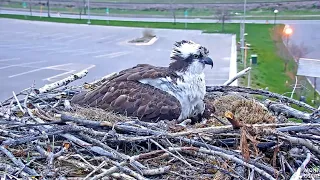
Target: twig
237,160
237,76
296,175
116,155
18,162
19,105
300,141
170,153
157,171
109,171
128,171
96,169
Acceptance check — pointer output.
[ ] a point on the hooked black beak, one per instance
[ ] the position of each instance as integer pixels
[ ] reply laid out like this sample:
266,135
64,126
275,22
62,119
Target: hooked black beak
208,61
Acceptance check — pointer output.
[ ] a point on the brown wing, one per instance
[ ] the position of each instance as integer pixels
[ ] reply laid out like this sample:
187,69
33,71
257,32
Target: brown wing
142,71
125,95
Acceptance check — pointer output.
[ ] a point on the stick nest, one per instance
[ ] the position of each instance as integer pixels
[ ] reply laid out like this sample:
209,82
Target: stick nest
42,136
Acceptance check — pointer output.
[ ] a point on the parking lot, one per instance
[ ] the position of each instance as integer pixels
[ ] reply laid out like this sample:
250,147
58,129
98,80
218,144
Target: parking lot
43,52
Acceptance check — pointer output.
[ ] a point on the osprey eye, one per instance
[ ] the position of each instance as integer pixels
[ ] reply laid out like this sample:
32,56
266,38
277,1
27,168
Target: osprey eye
196,56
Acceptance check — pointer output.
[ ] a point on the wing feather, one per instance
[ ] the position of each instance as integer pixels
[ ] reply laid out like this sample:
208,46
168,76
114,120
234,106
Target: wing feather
126,95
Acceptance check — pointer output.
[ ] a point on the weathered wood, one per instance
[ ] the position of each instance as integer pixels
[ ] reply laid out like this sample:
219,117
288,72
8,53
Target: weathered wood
17,162
289,112
258,92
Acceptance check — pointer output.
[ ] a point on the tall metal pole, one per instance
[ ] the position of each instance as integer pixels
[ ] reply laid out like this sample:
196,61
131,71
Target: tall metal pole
315,90
249,75
89,12
242,31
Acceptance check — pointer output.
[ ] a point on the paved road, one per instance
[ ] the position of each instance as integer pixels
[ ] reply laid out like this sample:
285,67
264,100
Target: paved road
304,30
44,52
152,19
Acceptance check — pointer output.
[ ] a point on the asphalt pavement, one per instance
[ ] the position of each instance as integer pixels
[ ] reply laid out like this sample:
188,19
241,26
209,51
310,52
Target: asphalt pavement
44,52
304,31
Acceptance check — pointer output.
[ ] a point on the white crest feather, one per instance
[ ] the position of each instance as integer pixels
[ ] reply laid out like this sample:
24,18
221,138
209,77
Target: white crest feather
185,48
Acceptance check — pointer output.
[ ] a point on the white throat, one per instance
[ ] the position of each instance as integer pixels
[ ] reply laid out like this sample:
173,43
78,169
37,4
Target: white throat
190,90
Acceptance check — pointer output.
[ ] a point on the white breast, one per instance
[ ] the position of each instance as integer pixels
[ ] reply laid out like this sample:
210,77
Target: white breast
192,94
189,92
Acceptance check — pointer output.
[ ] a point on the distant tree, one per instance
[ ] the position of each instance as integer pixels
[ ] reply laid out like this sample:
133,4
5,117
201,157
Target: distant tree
298,51
284,53
81,5
30,7
291,51
287,51
222,15
173,11
48,6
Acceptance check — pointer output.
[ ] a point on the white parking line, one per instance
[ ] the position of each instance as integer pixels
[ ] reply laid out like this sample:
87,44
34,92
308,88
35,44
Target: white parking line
17,65
117,55
106,37
112,54
13,45
49,49
40,69
63,37
53,77
31,34
9,59
56,67
116,40
27,72
30,47
22,32
66,51
88,52
76,39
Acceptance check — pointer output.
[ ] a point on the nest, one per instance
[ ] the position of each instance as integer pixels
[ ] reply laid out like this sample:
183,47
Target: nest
43,137
95,114
249,111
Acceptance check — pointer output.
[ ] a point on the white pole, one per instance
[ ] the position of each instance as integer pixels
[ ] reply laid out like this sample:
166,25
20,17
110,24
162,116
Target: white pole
249,75
89,12
242,31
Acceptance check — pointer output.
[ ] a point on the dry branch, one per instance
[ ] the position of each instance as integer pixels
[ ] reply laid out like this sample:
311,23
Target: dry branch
43,134
237,76
63,82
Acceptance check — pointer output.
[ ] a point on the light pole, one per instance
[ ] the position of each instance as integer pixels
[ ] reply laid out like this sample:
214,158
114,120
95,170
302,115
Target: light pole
275,15
89,12
287,31
242,31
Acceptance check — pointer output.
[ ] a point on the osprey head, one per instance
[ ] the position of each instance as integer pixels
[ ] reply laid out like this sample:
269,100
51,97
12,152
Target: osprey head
189,55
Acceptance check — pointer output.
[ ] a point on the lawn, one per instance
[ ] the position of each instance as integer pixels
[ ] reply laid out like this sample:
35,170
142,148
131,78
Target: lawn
269,72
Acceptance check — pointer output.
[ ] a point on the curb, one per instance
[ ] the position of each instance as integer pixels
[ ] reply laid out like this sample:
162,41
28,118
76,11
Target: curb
233,61
152,41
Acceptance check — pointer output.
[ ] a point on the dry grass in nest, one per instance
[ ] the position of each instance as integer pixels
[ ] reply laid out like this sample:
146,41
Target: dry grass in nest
96,114
248,111
251,112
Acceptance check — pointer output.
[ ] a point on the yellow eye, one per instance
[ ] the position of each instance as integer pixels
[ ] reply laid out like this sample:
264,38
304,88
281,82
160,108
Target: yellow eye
196,56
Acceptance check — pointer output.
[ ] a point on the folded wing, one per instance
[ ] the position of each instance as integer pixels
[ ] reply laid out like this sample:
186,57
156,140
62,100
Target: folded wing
126,95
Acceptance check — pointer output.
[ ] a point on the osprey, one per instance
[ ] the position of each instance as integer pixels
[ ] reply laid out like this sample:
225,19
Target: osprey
156,93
